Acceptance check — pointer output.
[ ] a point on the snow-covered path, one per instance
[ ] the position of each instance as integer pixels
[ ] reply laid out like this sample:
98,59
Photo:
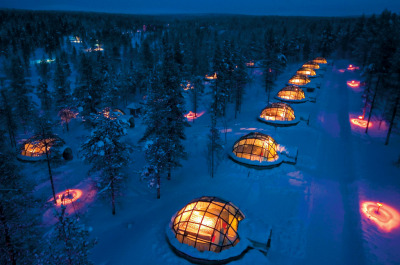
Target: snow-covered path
334,230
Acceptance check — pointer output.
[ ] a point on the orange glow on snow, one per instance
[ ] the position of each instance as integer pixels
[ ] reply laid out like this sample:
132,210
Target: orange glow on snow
191,115
188,86
250,64
211,77
341,70
361,123
352,67
67,196
384,216
353,83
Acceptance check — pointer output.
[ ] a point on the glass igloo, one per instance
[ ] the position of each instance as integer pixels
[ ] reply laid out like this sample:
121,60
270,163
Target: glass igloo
208,224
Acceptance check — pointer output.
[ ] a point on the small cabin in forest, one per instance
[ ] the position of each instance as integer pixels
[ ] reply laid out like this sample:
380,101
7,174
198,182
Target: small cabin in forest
134,109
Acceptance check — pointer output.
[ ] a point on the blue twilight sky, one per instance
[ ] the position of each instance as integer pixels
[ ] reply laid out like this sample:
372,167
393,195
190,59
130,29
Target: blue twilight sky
250,7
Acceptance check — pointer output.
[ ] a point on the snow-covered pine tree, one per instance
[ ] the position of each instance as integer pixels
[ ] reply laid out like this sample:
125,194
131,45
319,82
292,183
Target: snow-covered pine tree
214,144
43,69
19,91
86,92
228,68
44,94
217,86
174,104
68,243
18,216
155,135
240,77
106,153
44,134
61,86
327,41
395,90
8,118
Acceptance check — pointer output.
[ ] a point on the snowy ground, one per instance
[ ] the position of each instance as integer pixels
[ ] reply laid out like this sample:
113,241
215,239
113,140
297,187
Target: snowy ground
313,207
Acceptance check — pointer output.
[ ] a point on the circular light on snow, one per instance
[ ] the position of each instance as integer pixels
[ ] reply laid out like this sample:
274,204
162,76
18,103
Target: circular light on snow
384,216
67,196
361,123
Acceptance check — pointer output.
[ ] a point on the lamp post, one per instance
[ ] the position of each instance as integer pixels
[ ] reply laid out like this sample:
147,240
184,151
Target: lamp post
379,206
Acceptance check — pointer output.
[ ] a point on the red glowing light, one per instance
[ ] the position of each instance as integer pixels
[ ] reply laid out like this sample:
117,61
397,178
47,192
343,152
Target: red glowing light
352,67
361,117
191,115
384,216
341,70
67,196
353,83
361,123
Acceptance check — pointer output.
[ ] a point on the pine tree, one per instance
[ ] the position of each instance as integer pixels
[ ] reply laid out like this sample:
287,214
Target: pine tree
18,218
239,79
106,153
327,42
394,90
44,95
61,87
44,134
68,243
214,147
155,136
44,70
214,144
19,91
217,86
174,107
8,118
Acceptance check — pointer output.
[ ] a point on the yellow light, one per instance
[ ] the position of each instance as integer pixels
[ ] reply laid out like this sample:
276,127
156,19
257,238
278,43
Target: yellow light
211,77
386,218
37,148
67,197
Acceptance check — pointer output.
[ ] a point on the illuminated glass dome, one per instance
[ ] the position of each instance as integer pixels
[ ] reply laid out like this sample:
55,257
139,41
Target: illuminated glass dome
208,224
299,80
278,112
117,112
34,149
320,60
306,71
256,147
311,65
292,93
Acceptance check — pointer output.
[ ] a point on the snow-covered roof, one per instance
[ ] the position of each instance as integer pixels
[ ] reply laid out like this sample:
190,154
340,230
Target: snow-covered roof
134,105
